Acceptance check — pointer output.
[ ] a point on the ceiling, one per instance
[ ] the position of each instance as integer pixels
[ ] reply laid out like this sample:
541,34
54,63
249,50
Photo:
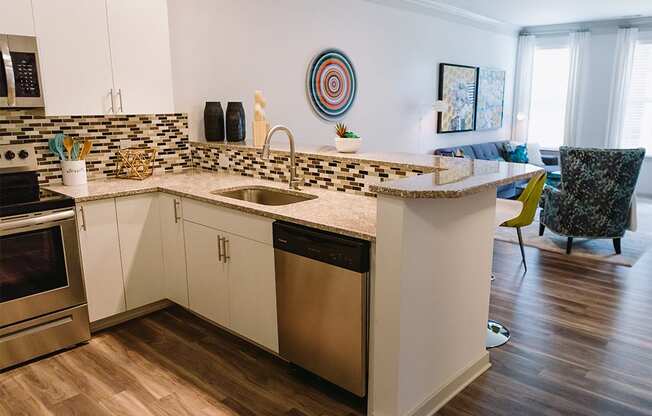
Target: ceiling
547,12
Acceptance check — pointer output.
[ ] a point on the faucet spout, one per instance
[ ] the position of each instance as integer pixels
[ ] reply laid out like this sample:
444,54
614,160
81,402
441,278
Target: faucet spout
294,181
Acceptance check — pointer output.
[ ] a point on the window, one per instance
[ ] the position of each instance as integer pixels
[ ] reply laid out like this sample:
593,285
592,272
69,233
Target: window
549,90
637,129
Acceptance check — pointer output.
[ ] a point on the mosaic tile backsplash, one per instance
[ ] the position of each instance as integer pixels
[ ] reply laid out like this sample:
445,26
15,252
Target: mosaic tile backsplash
316,170
167,132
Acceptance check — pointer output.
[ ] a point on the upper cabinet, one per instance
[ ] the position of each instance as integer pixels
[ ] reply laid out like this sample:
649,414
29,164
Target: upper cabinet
140,51
75,61
16,17
104,56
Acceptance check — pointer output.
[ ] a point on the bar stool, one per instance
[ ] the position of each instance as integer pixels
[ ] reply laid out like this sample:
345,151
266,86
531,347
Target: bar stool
516,214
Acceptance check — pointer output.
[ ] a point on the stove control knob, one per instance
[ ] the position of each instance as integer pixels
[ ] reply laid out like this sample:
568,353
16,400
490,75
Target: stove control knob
23,154
10,155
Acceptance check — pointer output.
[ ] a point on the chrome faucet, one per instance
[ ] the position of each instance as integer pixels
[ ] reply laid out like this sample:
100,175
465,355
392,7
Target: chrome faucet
294,181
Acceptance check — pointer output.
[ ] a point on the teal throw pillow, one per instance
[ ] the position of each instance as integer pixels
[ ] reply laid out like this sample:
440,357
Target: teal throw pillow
519,154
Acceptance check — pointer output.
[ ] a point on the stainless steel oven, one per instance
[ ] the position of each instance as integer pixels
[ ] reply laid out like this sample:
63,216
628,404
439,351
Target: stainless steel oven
20,81
42,297
40,269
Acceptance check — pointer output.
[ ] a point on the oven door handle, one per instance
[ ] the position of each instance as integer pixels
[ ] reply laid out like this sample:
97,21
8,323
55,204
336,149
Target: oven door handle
9,72
38,220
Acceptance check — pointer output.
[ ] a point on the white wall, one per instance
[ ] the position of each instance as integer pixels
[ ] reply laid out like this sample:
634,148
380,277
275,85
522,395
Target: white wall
225,49
596,101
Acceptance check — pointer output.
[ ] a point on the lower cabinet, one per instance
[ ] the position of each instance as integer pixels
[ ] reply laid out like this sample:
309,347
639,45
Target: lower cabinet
217,262
231,278
172,242
252,290
101,259
208,288
140,247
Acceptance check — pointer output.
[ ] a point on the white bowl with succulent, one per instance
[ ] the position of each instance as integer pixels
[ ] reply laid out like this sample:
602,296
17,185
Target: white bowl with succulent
346,141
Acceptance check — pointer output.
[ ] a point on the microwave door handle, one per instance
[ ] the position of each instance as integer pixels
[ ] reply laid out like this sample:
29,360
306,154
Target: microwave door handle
37,220
9,72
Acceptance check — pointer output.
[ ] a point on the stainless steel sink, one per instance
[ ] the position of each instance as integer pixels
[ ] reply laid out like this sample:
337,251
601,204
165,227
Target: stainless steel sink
264,196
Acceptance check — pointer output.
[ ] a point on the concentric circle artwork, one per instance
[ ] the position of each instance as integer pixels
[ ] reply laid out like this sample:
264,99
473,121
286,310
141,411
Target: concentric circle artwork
331,84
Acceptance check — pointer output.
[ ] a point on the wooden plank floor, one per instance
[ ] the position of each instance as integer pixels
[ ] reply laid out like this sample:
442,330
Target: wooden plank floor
582,345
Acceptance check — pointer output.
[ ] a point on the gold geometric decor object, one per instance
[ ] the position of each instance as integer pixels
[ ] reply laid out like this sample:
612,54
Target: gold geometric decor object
135,163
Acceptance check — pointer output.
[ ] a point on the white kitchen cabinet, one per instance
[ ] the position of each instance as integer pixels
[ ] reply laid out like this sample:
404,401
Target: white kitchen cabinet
208,286
101,260
140,247
104,56
246,269
252,290
174,256
75,59
140,53
16,17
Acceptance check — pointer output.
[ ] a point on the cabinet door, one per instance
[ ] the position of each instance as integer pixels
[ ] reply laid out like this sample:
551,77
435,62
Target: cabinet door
174,254
140,246
73,45
252,290
207,279
16,17
100,250
140,51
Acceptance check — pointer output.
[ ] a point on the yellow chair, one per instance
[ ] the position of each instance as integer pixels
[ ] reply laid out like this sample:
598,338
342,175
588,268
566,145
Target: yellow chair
530,200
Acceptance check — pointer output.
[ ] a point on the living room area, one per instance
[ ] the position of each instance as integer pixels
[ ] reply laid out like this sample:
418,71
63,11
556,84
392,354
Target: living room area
582,110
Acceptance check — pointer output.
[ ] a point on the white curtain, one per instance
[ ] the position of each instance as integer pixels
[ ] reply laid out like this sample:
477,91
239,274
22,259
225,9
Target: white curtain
622,74
579,46
523,87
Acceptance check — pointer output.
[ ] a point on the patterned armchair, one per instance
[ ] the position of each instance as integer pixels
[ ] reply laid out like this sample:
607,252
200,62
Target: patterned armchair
595,194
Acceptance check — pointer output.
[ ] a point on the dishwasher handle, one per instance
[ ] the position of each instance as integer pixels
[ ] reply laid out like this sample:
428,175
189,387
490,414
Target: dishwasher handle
335,249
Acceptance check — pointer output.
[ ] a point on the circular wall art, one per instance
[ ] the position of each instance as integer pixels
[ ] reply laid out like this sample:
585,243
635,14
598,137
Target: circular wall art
331,84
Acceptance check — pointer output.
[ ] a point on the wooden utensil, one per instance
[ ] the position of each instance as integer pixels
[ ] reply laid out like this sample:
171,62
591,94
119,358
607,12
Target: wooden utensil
85,149
68,143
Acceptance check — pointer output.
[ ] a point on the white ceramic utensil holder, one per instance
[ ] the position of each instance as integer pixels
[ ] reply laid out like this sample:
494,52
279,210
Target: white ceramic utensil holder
74,172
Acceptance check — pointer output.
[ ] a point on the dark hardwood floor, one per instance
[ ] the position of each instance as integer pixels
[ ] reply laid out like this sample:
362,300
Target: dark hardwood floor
581,345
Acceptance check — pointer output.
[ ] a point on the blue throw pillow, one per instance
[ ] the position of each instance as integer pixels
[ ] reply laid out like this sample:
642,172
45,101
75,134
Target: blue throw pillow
518,154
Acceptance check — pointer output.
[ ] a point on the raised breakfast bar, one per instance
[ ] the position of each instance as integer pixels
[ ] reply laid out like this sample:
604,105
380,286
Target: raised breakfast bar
434,249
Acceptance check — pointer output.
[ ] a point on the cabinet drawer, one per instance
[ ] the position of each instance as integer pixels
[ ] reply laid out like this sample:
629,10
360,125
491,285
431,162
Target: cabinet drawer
228,220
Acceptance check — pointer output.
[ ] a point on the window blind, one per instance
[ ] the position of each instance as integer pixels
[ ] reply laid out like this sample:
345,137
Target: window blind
637,129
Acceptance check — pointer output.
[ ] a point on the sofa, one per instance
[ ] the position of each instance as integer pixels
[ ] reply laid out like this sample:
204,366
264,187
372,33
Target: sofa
496,151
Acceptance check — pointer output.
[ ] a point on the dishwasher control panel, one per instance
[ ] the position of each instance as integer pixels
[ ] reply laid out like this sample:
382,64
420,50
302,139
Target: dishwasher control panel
335,249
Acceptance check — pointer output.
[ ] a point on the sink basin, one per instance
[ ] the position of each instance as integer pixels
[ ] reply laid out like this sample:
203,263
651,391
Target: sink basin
265,196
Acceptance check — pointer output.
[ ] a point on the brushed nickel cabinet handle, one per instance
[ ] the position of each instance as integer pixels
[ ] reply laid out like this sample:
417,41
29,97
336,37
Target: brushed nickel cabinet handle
226,251
83,218
176,212
112,109
120,97
219,249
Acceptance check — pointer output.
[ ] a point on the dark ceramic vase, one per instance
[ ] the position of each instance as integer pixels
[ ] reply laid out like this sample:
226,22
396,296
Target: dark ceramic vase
235,122
213,122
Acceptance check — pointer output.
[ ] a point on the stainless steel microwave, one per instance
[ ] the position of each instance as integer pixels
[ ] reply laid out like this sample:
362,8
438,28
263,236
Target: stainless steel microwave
20,81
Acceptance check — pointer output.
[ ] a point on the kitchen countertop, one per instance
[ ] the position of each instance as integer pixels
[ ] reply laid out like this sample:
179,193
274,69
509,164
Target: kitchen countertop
334,211
443,177
456,178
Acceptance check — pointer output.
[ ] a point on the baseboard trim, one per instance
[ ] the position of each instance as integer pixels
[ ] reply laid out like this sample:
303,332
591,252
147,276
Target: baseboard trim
438,399
129,315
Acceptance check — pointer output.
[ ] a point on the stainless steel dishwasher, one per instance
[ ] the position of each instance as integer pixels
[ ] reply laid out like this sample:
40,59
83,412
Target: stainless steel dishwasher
322,291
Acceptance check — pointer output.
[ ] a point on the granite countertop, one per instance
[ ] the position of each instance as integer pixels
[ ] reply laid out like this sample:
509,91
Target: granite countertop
443,177
339,212
456,178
